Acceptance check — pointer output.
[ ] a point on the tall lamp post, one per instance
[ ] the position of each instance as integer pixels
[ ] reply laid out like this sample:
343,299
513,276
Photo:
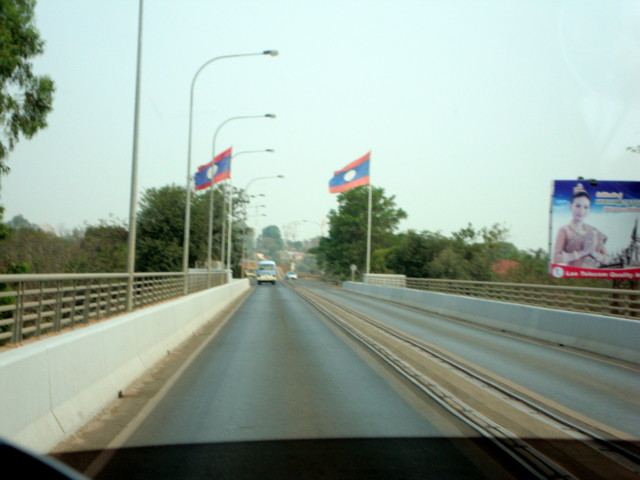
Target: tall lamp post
213,154
246,189
187,213
319,224
247,199
246,227
230,210
133,199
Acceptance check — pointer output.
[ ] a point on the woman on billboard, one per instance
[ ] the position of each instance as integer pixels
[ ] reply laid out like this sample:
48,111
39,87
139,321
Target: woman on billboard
578,244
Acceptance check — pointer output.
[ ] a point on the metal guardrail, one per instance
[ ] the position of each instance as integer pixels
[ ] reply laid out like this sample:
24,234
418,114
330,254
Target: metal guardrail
603,301
319,278
34,305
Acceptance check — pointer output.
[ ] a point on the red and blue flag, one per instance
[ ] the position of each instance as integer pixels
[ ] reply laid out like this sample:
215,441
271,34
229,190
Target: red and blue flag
215,171
353,175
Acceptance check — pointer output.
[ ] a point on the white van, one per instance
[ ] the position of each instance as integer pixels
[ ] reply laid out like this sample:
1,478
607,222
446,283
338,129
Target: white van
266,272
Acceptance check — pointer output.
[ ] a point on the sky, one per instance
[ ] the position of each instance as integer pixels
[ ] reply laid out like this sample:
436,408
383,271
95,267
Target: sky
470,109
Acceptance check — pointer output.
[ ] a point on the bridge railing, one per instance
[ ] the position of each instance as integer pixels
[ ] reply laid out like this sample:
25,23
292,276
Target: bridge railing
34,305
603,301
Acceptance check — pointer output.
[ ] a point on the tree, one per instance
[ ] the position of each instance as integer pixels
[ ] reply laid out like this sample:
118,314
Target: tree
475,251
18,221
103,248
469,254
25,99
452,265
347,240
40,251
4,230
271,242
414,251
160,238
160,235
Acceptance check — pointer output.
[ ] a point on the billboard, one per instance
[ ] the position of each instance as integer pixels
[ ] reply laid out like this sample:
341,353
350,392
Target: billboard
595,229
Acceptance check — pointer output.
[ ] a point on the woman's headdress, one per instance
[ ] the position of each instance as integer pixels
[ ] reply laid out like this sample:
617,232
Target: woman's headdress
579,188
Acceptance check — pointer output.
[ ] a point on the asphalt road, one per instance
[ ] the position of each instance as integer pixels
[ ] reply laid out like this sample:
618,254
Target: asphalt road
278,371
281,393
594,387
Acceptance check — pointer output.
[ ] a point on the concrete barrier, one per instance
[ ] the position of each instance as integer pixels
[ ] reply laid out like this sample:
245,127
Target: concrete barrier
50,388
614,337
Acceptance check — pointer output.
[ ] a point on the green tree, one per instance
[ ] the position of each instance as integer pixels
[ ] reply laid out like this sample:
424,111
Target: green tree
270,243
296,245
413,253
40,251
533,267
25,98
4,230
475,251
160,233
160,236
468,254
451,264
103,249
18,221
347,240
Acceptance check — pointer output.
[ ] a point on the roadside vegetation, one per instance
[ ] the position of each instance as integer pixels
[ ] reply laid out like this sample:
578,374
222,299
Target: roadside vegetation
102,247
470,253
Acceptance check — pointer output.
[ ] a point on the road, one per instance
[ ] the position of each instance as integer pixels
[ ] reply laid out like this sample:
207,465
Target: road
599,390
281,389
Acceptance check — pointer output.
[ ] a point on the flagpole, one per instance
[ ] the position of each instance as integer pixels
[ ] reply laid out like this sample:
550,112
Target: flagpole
352,176
368,267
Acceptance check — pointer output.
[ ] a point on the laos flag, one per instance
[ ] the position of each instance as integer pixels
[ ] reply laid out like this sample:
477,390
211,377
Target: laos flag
215,171
353,175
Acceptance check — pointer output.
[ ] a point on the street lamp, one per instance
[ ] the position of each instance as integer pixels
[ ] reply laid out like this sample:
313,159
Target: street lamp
187,213
213,154
133,198
230,211
261,178
246,227
246,189
319,224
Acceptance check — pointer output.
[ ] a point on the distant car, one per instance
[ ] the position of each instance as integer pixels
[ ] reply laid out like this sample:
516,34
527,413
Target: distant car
291,276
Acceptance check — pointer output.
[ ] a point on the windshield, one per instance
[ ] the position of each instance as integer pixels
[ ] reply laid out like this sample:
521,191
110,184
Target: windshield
408,145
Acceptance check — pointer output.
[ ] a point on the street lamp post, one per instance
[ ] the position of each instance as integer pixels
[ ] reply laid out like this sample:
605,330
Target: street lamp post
319,224
230,211
133,199
246,189
213,153
187,213
246,227
247,199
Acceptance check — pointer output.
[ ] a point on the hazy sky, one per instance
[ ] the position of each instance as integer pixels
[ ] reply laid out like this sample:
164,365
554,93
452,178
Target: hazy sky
469,108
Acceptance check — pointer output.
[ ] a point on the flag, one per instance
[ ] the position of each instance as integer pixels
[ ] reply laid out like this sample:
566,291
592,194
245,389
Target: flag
219,169
351,176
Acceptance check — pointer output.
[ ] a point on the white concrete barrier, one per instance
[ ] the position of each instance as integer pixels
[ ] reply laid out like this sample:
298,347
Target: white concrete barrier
610,336
50,388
